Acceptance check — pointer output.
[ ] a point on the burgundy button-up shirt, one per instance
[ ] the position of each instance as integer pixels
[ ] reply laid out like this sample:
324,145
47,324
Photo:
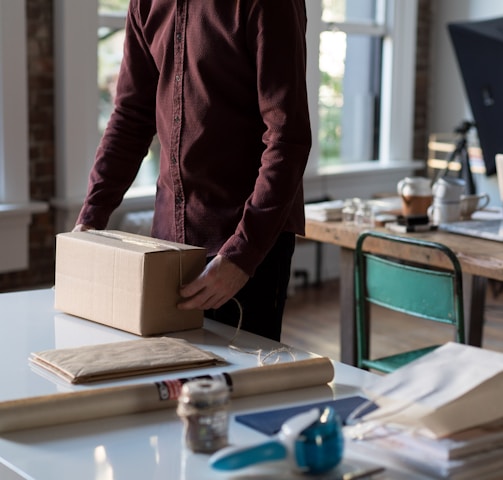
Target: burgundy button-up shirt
222,83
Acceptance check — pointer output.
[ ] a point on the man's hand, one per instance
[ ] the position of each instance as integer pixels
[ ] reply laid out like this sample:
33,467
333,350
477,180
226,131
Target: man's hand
81,228
218,283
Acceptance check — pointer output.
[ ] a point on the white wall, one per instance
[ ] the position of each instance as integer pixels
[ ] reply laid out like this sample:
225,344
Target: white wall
448,102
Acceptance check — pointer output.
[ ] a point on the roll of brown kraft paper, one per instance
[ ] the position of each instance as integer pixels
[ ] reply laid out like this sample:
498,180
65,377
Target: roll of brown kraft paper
61,408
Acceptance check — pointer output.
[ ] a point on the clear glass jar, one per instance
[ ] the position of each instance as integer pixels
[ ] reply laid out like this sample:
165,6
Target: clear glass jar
203,405
349,210
364,216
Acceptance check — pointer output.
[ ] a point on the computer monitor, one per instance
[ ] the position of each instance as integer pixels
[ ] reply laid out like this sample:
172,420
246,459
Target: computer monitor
479,50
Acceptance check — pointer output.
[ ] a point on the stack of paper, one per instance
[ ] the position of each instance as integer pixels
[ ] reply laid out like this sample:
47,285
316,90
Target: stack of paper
475,453
440,414
387,205
330,210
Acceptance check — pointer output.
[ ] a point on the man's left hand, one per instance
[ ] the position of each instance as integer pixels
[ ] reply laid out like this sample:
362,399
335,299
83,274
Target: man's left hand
218,283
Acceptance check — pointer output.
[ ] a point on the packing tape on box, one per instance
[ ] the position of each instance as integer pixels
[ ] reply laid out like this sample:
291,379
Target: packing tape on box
62,408
137,240
142,241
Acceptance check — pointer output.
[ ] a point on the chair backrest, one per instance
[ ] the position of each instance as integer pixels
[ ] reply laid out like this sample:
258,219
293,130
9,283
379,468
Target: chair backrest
409,287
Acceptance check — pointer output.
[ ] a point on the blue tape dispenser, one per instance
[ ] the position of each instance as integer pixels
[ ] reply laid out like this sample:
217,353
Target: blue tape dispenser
312,441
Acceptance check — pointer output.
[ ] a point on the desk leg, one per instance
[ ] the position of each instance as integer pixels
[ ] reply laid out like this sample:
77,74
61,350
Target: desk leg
474,306
347,306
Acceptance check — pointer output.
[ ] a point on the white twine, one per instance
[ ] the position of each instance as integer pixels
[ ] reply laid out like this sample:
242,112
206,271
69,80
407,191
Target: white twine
262,358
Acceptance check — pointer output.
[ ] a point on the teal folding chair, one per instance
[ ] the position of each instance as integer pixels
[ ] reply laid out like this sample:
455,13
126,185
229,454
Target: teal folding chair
415,289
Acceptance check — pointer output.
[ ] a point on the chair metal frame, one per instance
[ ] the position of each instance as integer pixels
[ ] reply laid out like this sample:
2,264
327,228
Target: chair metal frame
419,290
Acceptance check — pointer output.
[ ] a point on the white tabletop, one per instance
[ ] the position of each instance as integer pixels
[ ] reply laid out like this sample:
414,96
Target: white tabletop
141,446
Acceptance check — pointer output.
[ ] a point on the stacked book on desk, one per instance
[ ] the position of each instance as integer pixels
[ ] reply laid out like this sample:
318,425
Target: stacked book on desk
475,453
331,210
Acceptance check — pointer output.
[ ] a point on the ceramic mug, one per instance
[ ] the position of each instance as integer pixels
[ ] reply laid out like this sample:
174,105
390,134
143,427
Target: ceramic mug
472,203
444,212
448,189
416,195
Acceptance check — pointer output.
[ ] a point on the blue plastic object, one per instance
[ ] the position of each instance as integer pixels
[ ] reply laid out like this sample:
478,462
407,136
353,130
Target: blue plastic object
320,447
240,458
312,441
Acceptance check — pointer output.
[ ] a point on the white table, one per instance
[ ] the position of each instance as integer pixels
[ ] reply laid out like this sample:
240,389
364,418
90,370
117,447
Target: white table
141,446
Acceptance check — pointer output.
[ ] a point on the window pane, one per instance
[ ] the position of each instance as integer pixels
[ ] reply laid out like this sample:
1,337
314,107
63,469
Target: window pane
348,97
109,59
349,11
110,46
332,64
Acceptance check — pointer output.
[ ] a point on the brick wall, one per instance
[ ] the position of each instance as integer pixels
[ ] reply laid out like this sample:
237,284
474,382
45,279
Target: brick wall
420,150
41,133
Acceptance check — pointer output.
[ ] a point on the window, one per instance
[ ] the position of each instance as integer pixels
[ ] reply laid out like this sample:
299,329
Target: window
360,48
350,67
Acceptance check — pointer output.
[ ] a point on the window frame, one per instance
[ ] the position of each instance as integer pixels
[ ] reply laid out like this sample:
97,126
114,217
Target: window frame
16,209
396,24
13,127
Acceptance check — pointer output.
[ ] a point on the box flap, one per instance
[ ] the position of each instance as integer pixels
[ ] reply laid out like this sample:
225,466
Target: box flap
130,241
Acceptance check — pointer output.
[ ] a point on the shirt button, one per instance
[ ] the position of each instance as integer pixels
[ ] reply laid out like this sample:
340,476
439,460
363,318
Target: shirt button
177,119
177,78
173,159
178,37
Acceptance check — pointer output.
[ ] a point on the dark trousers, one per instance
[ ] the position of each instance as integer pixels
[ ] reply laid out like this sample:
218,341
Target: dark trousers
264,295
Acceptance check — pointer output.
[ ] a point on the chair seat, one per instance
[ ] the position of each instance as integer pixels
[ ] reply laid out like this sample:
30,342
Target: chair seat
392,362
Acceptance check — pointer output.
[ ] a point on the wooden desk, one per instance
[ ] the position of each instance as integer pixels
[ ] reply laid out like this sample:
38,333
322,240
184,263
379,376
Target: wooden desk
479,258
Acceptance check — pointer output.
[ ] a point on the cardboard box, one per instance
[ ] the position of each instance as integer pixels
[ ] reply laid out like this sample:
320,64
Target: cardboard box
126,281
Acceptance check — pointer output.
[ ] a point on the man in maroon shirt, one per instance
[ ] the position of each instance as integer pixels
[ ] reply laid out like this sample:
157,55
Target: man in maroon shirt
222,83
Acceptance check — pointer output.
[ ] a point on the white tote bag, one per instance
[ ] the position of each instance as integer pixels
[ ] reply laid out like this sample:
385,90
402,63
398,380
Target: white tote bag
450,389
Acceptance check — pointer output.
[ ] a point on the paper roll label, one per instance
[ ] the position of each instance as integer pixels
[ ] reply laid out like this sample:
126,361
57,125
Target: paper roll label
170,389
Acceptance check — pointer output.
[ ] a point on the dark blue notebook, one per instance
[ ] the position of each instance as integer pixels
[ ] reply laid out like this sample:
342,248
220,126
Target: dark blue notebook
270,421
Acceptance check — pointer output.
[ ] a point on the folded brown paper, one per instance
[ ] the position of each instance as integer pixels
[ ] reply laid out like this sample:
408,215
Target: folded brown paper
92,363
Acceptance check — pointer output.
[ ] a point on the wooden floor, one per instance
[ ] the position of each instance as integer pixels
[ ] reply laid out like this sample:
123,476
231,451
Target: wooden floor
311,322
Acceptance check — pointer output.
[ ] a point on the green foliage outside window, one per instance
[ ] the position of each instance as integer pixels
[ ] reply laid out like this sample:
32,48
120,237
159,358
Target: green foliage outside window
330,112
109,6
